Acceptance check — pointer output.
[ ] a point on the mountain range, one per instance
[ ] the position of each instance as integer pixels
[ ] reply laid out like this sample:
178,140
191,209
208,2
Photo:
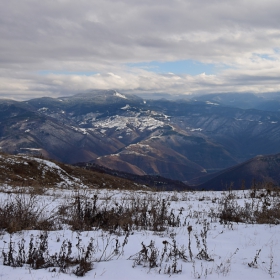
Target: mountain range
183,139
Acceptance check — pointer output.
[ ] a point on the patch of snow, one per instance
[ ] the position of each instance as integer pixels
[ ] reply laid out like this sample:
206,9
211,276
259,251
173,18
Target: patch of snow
66,179
27,130
129,152
81,130
211,103
166,117
84,131
126,123
125,107
120,95
31,149
44,109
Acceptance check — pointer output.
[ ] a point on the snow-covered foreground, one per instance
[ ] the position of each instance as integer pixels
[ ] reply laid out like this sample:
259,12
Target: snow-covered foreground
198,246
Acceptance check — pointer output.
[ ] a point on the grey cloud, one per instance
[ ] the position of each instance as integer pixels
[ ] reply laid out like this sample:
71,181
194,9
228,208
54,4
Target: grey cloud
102,36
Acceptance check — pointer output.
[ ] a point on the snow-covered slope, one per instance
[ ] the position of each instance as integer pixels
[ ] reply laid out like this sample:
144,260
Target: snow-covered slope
198,245
42,174
24,169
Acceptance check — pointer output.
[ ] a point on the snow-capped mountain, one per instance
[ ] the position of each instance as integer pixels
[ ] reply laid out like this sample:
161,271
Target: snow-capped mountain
180,139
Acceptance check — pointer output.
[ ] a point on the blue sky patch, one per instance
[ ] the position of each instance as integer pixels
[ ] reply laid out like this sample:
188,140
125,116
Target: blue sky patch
190,67
266,56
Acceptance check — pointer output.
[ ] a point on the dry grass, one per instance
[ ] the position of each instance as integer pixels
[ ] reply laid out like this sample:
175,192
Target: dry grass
22,212
86,212
262,207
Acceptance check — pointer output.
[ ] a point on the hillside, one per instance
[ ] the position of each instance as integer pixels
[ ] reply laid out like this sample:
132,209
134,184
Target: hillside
41,174
259,170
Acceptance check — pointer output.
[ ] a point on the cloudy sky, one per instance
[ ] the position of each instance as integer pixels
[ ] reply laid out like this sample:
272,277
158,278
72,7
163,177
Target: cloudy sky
62,47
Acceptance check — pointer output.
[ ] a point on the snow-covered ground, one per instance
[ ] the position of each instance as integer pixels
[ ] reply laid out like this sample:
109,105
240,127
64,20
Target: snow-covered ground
121,123
205,248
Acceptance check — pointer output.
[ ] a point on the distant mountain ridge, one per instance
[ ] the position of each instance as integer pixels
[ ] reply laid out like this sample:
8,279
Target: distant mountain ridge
265,102
177,139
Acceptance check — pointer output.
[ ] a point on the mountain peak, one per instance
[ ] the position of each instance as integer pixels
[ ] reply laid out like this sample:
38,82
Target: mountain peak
103,96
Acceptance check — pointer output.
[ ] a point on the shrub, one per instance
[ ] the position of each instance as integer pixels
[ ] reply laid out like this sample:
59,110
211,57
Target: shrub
151,257
38,256
85,213
23,212
263,207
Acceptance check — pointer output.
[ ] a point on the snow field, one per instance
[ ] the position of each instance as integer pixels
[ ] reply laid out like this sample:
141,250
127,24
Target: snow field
235,250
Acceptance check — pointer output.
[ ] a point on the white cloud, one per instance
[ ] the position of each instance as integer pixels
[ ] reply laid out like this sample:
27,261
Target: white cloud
103,36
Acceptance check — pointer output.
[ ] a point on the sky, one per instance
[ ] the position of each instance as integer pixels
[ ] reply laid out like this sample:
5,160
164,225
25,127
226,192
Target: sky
63,47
